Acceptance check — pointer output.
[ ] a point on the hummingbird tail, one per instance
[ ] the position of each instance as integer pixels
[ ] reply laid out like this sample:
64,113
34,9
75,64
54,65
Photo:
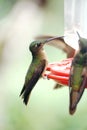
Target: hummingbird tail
22,90
24,95
26,98
72,111
57,86
73,102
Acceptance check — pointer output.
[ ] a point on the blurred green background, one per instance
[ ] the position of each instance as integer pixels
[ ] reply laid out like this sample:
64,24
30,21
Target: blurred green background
20,22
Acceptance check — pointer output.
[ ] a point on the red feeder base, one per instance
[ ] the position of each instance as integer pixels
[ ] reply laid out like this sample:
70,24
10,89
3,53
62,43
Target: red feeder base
59,71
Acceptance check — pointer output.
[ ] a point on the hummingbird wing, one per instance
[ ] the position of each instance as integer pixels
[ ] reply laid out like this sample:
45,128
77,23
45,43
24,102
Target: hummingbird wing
82,88
84,76
59,43
29,85
77,81
75,96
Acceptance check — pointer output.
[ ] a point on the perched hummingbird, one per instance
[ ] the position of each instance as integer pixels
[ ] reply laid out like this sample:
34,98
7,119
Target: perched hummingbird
78,75
36,68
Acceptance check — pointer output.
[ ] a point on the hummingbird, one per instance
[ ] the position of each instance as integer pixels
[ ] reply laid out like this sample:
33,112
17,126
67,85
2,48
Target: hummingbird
78,75
36,68
59,43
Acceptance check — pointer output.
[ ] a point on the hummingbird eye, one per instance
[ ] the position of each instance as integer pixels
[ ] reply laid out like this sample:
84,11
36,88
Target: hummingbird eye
37,45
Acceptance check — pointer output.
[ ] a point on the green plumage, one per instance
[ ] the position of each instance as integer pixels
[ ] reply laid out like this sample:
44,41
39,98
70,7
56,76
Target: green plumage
78,76
77,79
35,70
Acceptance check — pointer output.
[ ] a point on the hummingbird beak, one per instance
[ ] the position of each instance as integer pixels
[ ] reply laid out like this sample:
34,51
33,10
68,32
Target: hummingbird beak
78,35
51,39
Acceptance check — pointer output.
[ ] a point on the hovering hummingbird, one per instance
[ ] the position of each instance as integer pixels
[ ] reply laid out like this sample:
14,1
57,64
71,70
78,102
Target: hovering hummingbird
59,43
78,75
36,68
